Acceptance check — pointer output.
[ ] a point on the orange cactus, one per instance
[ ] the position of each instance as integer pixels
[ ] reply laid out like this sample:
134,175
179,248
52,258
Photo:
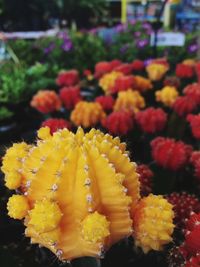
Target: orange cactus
46,101
142,84
87,114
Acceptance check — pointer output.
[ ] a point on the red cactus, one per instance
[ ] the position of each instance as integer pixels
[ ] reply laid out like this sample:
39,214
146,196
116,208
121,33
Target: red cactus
183,204
68,78
194,121
193,91
151,120
56,124
184,71
137,65
107,102
172,81
185,105
170,154
145,178
119,122
70,96
125,68
123,83
195,160
192,241
194,221
193,262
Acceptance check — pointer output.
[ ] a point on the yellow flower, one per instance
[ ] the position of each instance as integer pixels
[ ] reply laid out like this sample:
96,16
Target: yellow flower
156,71
130,101
87,114
167,95
17,207
108,80
153,223
81,189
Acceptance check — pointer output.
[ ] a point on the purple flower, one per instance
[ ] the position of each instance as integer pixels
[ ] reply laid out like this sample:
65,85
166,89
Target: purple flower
142,43
49,48
132,22
63,35
149,31
108,40
94,31
67,45
120,28
193,48
146,26
148,61
124,48
137,34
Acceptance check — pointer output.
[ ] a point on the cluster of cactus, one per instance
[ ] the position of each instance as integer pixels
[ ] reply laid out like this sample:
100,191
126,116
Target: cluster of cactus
79,193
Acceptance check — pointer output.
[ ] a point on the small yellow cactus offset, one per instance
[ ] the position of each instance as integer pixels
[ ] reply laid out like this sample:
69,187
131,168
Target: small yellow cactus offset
87,114
76,192
153,223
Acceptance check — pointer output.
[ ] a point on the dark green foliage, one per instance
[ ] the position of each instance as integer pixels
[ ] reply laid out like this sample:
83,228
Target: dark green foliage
5,113
19,83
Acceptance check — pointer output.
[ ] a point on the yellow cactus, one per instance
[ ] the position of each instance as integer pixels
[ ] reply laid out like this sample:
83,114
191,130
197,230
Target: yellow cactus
167,95
156,71
80,190
87,114
130,101
153,223
108,80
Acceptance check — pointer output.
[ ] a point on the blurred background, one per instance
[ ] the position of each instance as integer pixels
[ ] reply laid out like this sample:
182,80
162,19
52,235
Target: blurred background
37,15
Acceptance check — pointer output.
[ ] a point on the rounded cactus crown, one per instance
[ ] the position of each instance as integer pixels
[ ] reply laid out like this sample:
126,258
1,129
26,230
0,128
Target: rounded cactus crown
77,191
87,114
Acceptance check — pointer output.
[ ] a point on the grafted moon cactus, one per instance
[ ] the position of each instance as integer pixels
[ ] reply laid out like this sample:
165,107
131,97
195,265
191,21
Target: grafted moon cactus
76,191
